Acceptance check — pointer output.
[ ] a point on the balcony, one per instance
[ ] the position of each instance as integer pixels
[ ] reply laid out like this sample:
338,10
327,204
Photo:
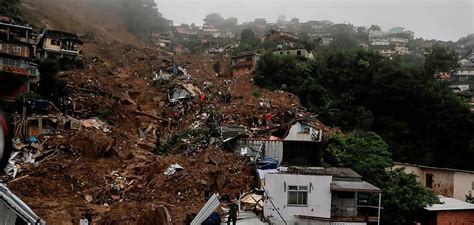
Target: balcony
354,214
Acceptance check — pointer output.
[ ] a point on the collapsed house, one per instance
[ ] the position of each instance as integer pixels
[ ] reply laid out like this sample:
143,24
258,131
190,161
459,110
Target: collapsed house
13,211
294,143
183,91
244,63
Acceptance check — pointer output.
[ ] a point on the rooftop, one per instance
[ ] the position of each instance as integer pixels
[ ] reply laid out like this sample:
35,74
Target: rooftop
351,186
433,168
330,171
449,204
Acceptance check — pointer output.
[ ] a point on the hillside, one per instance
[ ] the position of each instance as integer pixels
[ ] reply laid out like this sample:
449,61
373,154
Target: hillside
115,170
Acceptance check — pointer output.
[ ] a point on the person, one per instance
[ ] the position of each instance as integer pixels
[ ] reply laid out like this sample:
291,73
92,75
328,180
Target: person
233,211
84,220
268,119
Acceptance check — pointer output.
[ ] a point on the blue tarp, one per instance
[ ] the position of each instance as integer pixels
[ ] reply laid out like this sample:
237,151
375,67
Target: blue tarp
213,219
267,163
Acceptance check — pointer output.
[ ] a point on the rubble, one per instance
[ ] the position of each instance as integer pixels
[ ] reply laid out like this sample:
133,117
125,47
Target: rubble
125,130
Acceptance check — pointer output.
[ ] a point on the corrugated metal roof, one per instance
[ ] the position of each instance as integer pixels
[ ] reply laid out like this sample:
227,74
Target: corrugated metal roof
361,186
336,172
19,206
449,204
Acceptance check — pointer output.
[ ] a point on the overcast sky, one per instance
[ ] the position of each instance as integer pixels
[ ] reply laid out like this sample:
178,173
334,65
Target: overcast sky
430,19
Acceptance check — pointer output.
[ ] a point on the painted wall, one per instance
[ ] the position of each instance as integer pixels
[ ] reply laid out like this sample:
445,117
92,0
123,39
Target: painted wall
7,216
272,149
297,133
448,183
47,44
319,200
8,48
463,183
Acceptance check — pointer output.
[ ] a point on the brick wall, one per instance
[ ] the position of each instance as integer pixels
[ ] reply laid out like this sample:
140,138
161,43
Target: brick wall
463,217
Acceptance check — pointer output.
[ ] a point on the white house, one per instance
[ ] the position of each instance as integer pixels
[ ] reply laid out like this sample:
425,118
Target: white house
299,53
319,196
14,211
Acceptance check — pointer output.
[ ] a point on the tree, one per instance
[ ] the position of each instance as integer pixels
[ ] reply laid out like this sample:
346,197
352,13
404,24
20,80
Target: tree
365,152
214,19
49,86
345,41
295,21
368,154
231,21
375,28
10,8
403,197
354,89
440,59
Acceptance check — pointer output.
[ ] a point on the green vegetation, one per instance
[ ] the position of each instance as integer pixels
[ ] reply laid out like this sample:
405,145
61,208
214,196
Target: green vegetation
419,118
49,86
368,154
10,8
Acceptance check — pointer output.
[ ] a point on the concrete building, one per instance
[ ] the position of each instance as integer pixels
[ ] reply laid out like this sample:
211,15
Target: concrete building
449,212
17,69
300,140
244,63
301,54
443,181
315,195
58,44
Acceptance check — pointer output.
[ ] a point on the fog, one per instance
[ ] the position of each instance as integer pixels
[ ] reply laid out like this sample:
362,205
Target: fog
435,19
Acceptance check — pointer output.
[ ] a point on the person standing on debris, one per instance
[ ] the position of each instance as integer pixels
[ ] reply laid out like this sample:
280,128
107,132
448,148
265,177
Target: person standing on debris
233,212
84,220
268,119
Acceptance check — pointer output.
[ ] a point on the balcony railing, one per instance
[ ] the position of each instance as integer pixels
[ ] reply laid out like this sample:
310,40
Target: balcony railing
355,214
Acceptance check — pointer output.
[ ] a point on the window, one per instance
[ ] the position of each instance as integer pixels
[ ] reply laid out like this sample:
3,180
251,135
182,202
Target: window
16,49
472,185
288,52
298,53
362,198
429,180
281,53
55,42
298,195
1,47
346,195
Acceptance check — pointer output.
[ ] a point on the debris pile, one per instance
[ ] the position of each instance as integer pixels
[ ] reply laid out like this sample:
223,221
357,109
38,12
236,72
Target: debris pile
144,140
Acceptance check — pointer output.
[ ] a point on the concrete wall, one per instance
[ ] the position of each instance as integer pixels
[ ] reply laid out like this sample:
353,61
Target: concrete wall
463,183
296,133
48,45
304,53
449,183
348,206
462,217
7,216
319,200
272,149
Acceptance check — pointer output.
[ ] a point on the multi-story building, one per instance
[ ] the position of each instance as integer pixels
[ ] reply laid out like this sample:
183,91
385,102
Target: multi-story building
58,44
17,68
319,196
